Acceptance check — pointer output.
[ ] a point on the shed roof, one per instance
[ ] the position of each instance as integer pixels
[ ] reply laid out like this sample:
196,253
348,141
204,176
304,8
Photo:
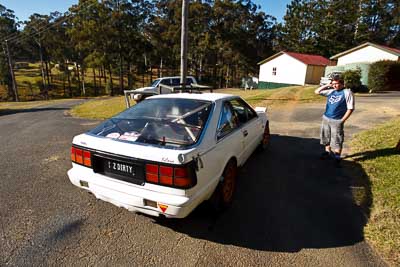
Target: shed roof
391,50
305,58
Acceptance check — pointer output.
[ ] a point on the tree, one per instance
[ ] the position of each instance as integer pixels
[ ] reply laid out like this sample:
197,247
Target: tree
8,31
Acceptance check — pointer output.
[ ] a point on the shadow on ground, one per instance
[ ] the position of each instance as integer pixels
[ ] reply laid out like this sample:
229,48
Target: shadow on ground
286,200
15,111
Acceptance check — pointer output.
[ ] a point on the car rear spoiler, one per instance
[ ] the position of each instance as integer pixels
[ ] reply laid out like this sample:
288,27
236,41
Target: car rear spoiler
261,109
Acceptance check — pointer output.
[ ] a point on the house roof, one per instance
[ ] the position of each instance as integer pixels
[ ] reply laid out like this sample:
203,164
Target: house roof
305,58
391,50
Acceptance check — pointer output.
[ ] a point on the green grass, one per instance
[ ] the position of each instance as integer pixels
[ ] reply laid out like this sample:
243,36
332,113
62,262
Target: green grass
103,108
277,96
100,108
375,151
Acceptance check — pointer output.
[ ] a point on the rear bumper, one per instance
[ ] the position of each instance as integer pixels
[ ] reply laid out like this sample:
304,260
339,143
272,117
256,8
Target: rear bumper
132,197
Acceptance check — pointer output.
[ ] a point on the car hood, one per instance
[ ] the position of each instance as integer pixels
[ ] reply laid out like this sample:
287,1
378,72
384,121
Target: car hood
139,151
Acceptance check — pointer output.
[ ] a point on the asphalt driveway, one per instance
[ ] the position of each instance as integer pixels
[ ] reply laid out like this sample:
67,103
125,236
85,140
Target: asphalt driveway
290,208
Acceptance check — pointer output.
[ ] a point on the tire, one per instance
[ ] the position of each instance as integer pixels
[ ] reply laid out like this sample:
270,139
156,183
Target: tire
265,142
223,194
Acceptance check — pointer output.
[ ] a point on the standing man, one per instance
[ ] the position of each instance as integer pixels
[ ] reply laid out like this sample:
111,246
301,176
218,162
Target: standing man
339,107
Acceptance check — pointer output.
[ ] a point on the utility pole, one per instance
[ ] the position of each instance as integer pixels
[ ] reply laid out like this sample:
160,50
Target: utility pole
184,42
14,84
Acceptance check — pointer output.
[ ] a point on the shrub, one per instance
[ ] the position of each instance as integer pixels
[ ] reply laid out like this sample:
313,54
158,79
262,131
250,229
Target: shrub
384,76
352,79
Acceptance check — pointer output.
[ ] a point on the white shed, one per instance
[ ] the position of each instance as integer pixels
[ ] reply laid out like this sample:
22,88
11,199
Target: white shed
366,53
288,68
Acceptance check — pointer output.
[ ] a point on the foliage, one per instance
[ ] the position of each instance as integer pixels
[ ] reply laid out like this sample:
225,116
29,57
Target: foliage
352,79
384,76
330,27
8,29
375,151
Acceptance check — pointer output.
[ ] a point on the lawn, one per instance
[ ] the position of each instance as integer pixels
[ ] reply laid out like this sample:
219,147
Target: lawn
106,107
374,150
100,108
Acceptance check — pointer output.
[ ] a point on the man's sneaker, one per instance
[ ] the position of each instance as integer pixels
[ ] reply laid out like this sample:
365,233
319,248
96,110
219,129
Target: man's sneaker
325,155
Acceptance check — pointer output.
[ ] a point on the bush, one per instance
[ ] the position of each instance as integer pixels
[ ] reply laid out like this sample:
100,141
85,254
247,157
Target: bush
384,76
352,79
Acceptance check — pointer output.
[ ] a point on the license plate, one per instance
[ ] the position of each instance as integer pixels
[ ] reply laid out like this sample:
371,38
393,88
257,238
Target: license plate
120,168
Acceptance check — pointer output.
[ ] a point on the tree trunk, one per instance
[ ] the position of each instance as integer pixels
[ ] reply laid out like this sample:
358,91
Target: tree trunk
44,90
83,80
143,77
151,73
69,83
121,75
63,80
100,90
160,69
103,70
79,79
47,74
111,81
94,82
129,76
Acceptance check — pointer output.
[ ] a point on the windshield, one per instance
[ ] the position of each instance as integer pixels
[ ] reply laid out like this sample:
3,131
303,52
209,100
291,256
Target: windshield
155,83
167,122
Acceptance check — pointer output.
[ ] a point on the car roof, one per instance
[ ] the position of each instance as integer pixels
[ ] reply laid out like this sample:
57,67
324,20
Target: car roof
173,77
204,96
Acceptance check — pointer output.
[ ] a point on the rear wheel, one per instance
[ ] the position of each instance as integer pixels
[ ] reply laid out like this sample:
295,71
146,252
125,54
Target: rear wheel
266,138
223,195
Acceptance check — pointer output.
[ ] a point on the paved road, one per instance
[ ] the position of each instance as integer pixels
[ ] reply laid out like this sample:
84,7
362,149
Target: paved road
290,208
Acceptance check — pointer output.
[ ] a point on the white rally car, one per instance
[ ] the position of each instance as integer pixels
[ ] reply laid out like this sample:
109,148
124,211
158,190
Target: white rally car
169,153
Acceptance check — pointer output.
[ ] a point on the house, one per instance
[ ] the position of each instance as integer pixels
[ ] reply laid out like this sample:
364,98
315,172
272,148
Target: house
288,68
362,57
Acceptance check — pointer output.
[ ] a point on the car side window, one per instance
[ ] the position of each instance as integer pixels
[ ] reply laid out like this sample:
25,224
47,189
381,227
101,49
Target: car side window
176,82
228,121
242,111
166,82
189,81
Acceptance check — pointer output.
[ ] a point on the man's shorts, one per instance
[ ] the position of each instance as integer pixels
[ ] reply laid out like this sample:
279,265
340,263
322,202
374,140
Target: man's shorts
332,133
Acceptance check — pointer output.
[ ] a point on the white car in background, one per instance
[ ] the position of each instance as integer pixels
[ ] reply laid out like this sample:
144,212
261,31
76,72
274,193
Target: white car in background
155,87
169,153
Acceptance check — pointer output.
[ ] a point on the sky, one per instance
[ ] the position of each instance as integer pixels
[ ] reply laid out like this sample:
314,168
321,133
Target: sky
24,8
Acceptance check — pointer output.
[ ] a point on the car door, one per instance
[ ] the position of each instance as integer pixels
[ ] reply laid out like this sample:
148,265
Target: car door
168,82
250,125
230,140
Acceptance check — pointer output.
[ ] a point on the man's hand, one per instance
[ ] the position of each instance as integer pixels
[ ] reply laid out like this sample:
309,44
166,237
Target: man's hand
322,88
346,115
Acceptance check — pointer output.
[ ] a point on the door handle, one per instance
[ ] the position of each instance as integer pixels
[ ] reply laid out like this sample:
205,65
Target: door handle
245,133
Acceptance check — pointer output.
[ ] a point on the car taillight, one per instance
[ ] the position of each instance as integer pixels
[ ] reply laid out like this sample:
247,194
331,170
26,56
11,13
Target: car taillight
86,159
81,156
73,157
166,175
179,177
182,177
152,173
